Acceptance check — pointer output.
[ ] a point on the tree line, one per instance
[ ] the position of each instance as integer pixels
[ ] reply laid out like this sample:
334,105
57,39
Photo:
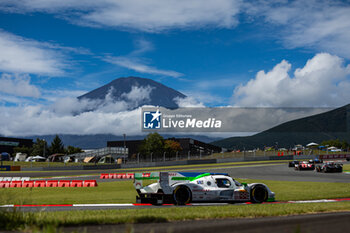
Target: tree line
41,148
336,143
155,145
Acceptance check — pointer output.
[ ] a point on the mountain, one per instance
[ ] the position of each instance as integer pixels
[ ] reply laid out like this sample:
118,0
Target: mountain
135,89
334,124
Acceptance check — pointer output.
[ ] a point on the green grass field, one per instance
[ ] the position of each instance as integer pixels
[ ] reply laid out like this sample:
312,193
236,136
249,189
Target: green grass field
124,192
51,221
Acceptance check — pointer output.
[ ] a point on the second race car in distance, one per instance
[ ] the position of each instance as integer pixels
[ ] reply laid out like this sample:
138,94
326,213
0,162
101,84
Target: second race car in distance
293,163
305,166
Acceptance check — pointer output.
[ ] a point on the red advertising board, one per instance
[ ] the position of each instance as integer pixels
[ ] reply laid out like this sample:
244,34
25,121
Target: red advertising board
335,156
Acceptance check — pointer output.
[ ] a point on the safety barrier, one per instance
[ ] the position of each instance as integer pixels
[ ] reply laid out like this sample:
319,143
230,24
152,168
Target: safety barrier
335,156
76,183
14,178
117,176
52,183
90,183
64,183
28,184
48,183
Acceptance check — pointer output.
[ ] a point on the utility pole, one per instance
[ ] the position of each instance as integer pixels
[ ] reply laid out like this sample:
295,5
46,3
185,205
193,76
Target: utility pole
124,135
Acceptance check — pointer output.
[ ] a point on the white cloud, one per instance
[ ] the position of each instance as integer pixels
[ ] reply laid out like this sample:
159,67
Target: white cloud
188,102
134,61
323,81
138,94
18,85
151,15
206,97
36,120
21,55
321,25
77,116
135,64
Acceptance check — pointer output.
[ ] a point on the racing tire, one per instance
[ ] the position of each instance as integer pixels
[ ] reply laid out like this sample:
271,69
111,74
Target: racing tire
182,195
258,194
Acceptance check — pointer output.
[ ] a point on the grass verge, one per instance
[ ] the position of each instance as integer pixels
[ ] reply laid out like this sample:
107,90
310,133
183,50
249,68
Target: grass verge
22,220
124,192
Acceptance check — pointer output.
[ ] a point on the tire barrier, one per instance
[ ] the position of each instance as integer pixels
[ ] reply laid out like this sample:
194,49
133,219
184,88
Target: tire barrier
49,183
117,176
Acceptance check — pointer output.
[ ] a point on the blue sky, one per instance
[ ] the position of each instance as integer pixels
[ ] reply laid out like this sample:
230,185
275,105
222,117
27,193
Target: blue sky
222,52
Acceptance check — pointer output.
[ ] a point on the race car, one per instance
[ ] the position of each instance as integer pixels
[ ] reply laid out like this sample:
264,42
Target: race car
181,188
305,166
293,163
330,167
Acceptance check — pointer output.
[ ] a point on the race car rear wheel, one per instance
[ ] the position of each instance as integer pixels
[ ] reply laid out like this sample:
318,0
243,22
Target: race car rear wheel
182,195
258,194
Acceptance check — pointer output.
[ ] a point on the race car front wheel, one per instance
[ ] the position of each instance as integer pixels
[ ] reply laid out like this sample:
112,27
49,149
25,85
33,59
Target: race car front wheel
258,194
182,195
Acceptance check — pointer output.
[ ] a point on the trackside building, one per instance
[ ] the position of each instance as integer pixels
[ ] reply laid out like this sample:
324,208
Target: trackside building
7,144
188,145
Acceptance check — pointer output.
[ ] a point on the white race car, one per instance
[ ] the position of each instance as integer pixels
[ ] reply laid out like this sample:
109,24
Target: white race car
181,188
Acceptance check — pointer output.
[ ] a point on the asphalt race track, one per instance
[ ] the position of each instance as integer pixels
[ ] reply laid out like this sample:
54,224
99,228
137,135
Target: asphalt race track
85,172
320,223
326,222
284,173
270,171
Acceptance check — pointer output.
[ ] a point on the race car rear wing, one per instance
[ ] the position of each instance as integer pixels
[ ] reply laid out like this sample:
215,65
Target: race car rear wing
139,177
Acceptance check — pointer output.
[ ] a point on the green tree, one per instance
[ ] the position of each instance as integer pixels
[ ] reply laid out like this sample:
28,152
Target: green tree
153,143
337,143
56,146
73,150
172,147
40,148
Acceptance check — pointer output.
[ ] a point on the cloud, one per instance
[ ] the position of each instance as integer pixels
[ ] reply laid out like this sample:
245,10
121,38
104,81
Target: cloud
134,61
18,85
150,16
135,64
21,55
77,116
138,94
323,81
320,25
188,102
36,120
206,98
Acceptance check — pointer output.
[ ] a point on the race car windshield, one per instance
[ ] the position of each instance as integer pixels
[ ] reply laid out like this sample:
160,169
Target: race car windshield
223,183
237,183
